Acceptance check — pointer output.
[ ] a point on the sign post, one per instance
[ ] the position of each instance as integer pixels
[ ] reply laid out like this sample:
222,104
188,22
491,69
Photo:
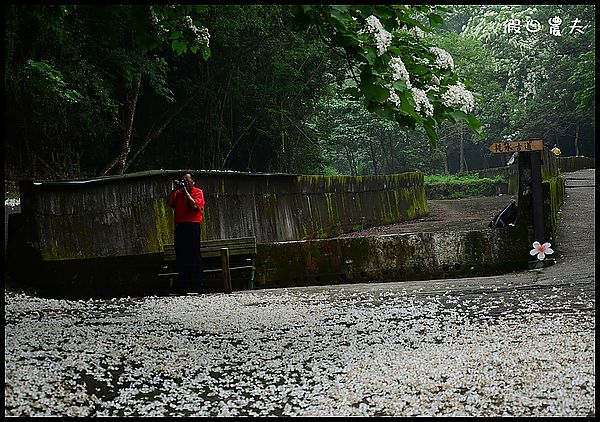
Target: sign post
517,146
530,180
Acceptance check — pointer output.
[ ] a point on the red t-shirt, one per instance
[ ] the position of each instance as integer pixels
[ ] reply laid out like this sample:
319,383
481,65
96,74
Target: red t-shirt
184,213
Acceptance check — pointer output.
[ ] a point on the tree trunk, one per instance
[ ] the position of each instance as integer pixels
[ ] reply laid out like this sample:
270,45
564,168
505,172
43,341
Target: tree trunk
577,139
461,166
283,162
120,160
373,156
164,122
246,129
350,158
446,169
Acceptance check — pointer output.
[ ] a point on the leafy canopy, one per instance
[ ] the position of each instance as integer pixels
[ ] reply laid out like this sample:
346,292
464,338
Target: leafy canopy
398,73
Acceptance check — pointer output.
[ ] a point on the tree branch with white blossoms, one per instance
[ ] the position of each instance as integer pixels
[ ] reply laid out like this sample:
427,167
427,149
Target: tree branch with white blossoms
177,25
400,75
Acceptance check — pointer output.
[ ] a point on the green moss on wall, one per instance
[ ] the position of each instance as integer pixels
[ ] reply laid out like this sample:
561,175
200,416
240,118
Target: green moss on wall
164,223
554,188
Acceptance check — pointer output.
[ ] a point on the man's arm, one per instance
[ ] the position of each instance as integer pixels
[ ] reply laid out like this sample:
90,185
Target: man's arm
190,200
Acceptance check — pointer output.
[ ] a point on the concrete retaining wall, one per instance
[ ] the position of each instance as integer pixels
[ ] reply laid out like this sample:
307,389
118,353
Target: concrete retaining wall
568,164
397,257
128,215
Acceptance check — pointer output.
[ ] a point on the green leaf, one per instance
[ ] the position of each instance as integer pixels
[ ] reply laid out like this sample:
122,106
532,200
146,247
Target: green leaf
431,134
408,105
419,70
458,116
474,124
435,20
178,46
400,85
405,121
370,54
375,92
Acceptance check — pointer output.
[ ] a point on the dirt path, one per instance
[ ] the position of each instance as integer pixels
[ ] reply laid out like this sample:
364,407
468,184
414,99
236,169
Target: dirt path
447,215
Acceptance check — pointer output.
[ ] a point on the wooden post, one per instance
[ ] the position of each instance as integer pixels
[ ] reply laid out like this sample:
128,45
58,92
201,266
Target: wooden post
538,206
225,269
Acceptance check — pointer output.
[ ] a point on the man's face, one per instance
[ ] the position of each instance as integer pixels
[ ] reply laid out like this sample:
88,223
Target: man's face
189,182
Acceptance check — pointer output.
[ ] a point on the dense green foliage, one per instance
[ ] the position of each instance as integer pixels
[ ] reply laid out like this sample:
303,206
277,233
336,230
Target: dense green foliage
529,85
445,186
93,90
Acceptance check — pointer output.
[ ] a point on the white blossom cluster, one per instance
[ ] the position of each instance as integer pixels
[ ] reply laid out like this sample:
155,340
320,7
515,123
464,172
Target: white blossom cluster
394,98
399,71
202,35
383,38
435,84
153,16
423,105
457,96
511,137
12,202
355,350
416,32
443,59
156,22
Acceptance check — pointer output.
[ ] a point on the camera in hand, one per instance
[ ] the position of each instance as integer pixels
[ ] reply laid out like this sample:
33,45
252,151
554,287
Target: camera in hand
180,183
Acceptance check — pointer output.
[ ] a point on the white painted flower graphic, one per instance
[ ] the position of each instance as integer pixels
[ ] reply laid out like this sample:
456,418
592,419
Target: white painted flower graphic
541,250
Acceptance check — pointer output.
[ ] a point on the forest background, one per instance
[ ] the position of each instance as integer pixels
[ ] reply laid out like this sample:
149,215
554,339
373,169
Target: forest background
271,96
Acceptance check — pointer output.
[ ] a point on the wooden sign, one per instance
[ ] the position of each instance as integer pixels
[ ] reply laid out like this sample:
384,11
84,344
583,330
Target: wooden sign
515,146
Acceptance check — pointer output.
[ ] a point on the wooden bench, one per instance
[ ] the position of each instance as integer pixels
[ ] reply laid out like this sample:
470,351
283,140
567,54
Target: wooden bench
243,247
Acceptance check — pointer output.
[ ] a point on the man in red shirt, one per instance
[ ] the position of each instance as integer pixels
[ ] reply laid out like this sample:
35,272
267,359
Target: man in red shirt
188,203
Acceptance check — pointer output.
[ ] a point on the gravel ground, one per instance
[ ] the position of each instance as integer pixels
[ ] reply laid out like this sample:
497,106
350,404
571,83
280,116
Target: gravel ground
522,344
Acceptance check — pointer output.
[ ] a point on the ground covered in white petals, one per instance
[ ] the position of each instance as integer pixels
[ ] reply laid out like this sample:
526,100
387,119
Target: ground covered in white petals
335,351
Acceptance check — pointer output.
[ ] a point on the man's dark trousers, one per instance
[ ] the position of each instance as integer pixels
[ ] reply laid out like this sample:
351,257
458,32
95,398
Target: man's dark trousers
189,261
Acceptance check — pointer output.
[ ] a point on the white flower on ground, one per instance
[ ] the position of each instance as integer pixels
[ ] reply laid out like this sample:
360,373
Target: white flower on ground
383,38
423,105
459,97
541,250
443,59
399,71
394,98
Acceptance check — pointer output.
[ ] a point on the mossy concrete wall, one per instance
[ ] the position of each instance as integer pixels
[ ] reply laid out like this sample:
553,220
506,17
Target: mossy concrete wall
128,215
288,207
104,217
579,162
399,257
